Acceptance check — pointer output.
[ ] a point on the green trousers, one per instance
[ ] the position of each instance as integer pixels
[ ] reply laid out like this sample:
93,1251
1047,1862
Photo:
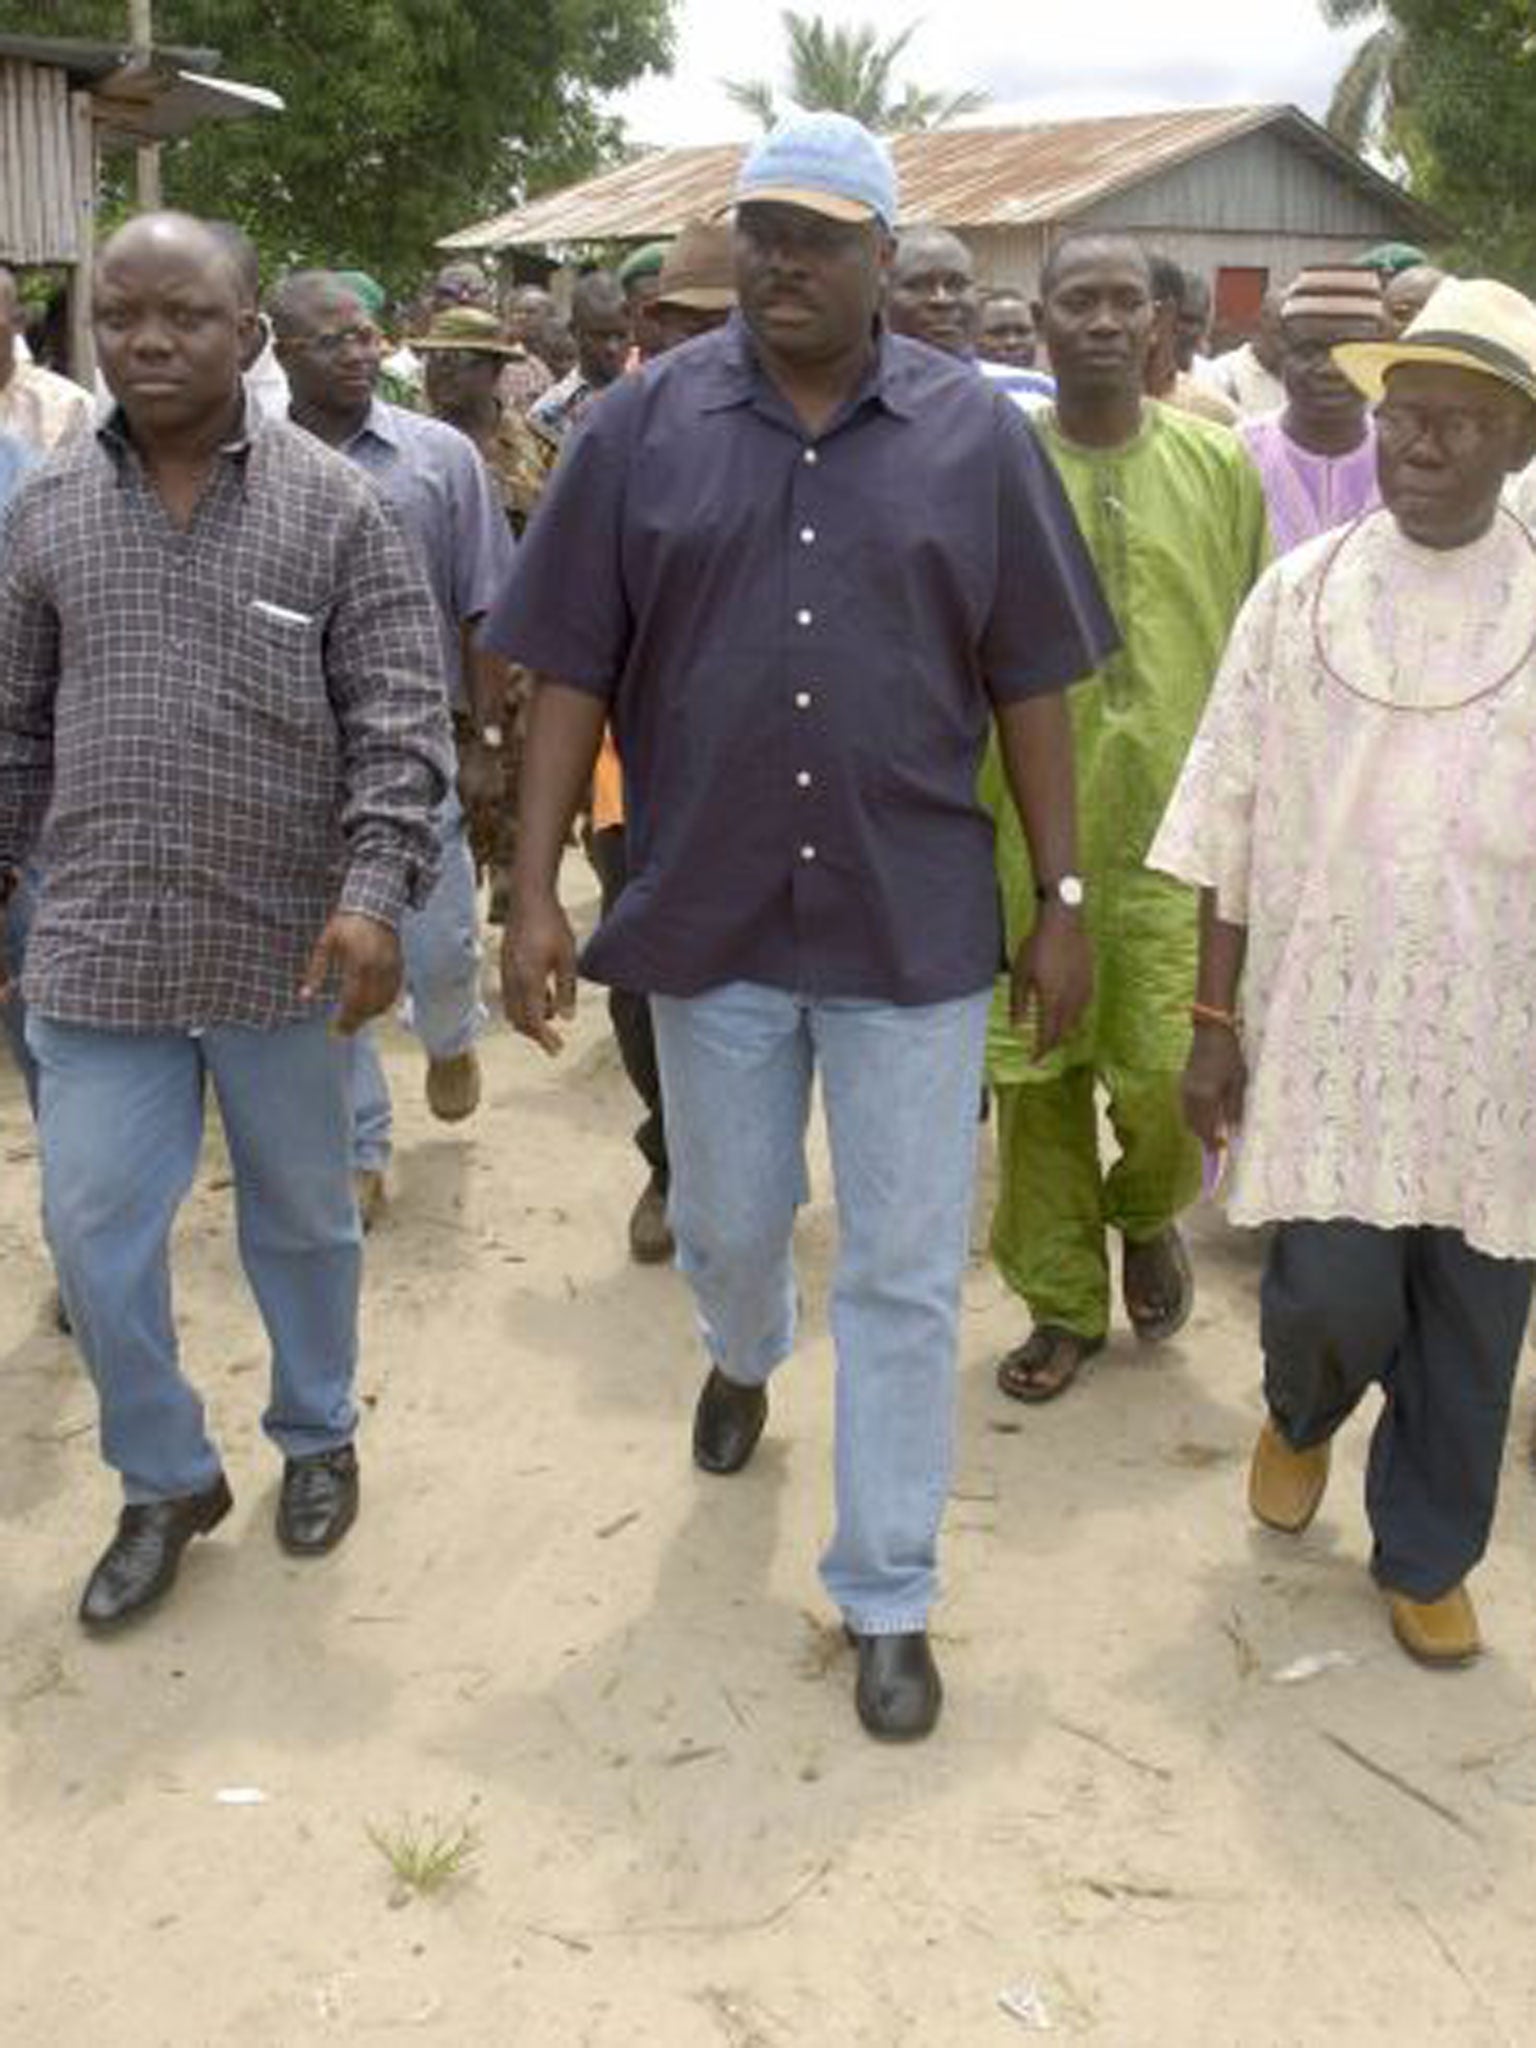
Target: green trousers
1056,1202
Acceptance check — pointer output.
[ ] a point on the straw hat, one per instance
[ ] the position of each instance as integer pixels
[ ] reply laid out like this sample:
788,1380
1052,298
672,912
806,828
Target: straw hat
470,330
1470,323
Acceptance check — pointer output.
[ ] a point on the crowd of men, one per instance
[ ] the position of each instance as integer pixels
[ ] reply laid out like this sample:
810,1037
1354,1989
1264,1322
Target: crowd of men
875,630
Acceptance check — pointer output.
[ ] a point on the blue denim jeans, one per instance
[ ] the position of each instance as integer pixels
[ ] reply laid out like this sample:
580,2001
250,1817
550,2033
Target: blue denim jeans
900,1086
13,1013
441,945
121,1123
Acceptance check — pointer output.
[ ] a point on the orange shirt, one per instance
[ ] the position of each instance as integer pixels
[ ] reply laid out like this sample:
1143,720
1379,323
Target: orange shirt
607,786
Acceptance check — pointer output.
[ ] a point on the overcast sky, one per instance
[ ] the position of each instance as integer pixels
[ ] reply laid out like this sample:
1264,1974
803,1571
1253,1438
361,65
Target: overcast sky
1037,61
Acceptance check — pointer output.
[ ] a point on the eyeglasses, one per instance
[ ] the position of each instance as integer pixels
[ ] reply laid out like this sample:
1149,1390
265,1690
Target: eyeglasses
333,343
1455,429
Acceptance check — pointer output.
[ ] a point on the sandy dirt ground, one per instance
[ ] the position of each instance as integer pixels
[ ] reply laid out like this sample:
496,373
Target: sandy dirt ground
1140,1818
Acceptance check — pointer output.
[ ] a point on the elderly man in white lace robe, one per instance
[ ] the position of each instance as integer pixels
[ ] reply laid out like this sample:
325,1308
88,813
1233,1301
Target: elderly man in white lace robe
1358,812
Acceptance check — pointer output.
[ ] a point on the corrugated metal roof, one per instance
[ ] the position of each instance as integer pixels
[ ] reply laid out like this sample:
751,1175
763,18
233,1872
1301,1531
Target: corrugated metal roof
86,60
657,194
1015,177
179,102
154,96
964,177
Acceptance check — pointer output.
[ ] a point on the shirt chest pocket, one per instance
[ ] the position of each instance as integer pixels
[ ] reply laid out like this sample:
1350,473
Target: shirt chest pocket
270,666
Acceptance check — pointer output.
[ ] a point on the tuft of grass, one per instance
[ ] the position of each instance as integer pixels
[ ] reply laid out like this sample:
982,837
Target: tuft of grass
425,1854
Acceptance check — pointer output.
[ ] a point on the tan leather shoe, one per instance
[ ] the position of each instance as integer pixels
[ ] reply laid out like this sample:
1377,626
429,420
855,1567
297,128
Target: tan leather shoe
453,1087
1285,1487
1442,1632
369,1185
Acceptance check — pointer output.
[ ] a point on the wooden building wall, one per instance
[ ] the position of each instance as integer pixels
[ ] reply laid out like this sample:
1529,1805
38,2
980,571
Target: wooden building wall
1262,183
46,170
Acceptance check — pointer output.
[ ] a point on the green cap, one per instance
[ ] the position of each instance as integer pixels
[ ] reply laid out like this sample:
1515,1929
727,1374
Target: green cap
1390,257
643,262
367,290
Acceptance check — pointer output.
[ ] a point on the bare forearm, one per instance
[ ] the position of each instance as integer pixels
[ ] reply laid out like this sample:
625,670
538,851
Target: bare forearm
1223,949
1035,738
565,729
488,676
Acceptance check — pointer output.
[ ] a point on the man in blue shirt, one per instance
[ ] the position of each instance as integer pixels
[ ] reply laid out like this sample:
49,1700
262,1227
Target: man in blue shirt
932,296
800,564
438,484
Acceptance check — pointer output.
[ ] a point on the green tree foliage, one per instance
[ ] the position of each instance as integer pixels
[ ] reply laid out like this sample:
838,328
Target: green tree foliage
850,71
1450,87
406,118
1471,139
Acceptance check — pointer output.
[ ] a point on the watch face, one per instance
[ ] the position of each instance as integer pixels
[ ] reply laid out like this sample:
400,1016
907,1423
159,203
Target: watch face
1070,890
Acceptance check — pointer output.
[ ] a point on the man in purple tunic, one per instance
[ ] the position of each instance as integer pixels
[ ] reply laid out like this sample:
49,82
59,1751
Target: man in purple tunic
1316,457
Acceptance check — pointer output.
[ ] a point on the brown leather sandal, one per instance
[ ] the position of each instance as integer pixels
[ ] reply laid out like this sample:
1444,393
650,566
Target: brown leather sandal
1157,1283
1045,1364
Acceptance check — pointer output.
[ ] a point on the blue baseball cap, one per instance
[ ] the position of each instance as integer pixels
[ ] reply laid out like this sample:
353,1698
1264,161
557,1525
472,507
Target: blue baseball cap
827,163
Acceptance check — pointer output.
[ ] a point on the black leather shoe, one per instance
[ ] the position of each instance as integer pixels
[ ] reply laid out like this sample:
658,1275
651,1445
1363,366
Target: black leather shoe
899,1692
139,1565
319,1501
727,1423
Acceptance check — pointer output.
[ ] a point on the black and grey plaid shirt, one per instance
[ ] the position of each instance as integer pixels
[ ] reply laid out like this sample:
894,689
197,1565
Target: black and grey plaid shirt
210,739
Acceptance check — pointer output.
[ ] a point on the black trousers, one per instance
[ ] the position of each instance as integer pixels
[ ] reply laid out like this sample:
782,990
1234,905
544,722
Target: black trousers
630,1014
1439,1327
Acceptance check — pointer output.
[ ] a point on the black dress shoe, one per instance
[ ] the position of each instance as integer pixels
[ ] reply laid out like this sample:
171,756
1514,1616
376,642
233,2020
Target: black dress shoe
899,1692
319,1501
727,1423
139,1564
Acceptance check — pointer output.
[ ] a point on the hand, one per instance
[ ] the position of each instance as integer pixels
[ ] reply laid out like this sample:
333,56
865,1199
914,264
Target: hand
482,792
1215,1081
366,955
538,971
1054,971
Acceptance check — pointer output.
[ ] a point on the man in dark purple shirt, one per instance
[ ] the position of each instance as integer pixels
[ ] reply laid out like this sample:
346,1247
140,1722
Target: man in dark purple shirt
801,563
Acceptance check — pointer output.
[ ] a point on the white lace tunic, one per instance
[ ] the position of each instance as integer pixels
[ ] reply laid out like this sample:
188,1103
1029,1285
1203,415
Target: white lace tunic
1362,796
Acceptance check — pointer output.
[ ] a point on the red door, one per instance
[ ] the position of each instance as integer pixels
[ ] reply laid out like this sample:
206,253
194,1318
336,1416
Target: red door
1239,295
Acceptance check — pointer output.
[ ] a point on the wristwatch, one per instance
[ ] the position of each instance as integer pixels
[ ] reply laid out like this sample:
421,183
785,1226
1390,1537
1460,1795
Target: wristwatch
1067,890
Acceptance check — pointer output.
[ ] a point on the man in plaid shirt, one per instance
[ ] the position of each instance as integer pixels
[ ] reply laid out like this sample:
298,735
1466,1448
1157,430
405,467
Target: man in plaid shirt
223,733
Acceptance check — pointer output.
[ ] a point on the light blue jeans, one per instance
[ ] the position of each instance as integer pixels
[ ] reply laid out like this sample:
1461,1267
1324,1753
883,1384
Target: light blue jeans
441,945
900,1086
120,1124
13,1013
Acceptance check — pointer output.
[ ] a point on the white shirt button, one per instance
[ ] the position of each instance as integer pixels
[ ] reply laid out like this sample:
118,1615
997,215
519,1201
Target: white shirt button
802,617
810,458
802,700
803,779
807,535
807,853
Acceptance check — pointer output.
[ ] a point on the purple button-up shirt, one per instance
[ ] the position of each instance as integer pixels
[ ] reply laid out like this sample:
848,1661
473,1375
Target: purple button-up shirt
801,638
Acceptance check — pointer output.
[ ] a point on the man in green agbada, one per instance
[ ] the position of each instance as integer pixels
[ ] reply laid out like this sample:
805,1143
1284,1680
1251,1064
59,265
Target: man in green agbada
1173,515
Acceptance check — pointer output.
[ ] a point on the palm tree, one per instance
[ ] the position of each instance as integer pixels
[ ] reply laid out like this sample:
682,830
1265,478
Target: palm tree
849,70
1371,90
